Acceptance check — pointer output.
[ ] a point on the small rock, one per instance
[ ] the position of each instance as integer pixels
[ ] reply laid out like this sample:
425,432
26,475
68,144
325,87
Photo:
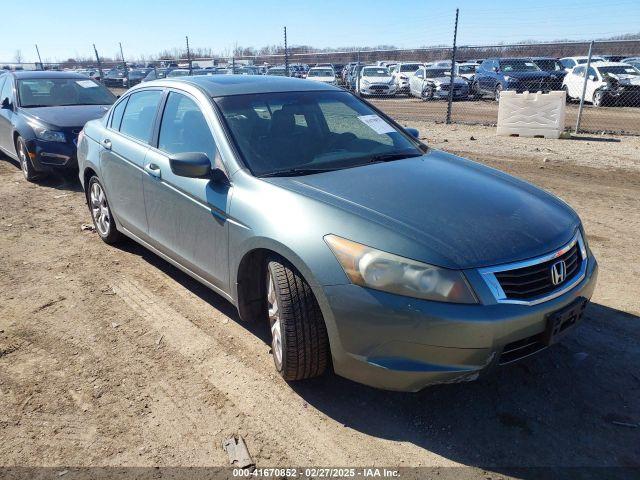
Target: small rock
114,325
545,160
63,472
87,227
225,321
472,138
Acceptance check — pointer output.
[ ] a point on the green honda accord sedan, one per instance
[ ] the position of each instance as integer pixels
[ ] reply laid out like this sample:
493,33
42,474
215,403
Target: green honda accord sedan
366,251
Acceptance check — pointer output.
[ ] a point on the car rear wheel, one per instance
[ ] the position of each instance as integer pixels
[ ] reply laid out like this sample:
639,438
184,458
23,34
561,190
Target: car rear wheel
299,342
568,99
101,212
26,166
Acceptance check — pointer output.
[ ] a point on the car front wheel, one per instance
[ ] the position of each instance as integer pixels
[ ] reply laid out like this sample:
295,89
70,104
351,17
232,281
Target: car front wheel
299,342
101,212
26,166
598,98
497,92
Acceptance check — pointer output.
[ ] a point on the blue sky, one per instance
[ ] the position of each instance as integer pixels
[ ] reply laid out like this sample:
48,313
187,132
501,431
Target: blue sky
65,28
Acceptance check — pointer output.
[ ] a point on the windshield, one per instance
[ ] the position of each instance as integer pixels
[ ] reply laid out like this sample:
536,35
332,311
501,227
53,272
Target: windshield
323,130
375,72
619,70
436,72
518,66
53,92
321,72
178,73
549,65
467,68
409,67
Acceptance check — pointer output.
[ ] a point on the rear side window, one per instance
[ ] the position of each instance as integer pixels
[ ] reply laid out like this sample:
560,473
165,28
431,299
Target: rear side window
139,114
118,111
184,128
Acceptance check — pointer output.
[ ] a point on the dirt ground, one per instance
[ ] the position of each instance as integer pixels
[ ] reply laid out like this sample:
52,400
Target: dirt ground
112,357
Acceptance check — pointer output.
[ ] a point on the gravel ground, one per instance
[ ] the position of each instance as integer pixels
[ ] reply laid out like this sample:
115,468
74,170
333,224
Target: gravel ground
112,357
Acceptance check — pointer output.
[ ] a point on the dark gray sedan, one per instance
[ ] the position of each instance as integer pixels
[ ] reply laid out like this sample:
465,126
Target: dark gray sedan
397,265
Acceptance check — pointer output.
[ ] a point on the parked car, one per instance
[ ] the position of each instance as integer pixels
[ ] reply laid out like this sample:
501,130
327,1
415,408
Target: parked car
277,71
157,73
434,83
376,81
635,61
613,58
570,62
466,70
41,115
607,83
553,67
318,224
136,76
520,74
322,74
116,78
401,73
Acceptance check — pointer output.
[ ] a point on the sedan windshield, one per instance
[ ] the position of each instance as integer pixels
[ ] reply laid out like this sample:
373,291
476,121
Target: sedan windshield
409,67
467,68
518,66
375,72
619,70
53,92
549,65
437,72
297,133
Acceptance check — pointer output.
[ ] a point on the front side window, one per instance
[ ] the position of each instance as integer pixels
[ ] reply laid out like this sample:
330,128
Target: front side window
579,71
55,92
118,112
322,130
184,128
567,62
139,114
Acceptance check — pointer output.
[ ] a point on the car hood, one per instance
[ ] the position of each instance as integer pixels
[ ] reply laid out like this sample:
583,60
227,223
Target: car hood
527,75
443,210
626,79
71,116
447,80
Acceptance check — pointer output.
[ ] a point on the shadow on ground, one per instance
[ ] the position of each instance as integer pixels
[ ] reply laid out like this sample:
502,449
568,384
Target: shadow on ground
574,404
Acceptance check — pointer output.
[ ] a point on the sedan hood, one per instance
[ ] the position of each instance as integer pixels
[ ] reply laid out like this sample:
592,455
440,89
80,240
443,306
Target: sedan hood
527,75
71,116
450,211
446,80
377,79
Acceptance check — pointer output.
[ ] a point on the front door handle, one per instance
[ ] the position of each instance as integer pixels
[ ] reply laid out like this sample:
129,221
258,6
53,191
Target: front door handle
153,170
106,143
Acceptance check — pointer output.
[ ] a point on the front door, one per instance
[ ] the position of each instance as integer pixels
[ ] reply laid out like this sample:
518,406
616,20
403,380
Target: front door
7,97
187,216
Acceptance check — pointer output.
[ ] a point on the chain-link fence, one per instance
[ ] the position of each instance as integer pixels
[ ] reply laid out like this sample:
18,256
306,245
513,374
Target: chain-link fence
441,84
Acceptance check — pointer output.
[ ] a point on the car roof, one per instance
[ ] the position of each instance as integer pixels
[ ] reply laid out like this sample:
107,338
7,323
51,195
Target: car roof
543,58
225,85
34,74
609,64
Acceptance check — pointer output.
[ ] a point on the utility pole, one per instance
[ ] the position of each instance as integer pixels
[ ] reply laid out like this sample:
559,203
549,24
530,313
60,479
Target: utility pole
99,63
124,64
453,68
286,53
584,87
39,59
189,57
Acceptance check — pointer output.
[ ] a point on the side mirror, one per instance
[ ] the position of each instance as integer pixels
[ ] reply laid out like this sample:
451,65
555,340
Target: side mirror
592,77
413,132
190,164
6,105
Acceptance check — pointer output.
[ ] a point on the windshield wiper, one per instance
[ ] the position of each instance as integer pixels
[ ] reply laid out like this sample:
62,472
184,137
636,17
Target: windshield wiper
292,172
389,157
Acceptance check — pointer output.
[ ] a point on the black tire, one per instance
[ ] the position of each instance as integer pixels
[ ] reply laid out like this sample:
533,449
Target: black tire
475,90
105,228
304,349
599,99
427,93
28,171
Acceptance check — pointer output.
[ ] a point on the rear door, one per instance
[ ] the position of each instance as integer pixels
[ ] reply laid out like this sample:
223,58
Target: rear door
187,216
124,148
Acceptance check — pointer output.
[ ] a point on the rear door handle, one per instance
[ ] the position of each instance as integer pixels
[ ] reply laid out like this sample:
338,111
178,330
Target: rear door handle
153,170
106,143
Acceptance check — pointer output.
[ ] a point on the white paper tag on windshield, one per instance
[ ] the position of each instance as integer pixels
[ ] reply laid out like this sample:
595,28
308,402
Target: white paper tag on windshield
376,123
87,83
629,70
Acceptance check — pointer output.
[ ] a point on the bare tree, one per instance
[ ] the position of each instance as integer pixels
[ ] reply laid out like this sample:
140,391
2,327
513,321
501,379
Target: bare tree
18,56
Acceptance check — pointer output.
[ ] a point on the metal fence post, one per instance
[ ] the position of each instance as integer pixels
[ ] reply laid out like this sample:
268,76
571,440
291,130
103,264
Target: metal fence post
189,57
39,59
286,53
124,64
99,64
453,67
357,72
584,87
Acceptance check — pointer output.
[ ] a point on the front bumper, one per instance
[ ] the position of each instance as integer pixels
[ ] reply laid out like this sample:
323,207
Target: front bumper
47,156
377,89
398,343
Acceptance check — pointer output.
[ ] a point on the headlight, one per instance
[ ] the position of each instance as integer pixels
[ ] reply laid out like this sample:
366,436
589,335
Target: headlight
391,81
510,79
49,135
364,82
368,267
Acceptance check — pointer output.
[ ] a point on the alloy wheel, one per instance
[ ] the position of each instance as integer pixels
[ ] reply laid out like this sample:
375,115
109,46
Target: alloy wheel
100,209
274,320
22,155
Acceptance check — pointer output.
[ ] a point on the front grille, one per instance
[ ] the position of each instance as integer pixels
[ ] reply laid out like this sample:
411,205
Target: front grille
520,349
535,280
